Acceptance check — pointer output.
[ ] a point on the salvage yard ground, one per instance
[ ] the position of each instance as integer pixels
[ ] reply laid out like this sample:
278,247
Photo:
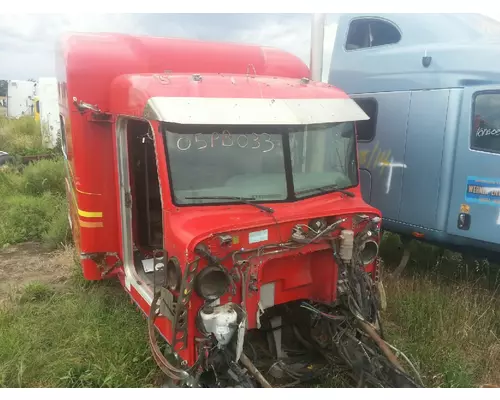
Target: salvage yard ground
58,330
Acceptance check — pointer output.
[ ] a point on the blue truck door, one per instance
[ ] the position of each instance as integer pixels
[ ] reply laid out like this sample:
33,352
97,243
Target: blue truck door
423,158
475,202
381,149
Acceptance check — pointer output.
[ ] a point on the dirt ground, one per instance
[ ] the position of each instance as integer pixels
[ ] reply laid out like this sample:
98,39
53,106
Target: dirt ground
29,262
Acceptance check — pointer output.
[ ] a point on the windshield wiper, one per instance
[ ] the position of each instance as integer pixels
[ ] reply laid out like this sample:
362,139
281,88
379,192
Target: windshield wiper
244,200
327,189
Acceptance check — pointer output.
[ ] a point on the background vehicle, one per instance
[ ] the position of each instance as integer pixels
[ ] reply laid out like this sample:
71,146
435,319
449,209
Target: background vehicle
47,95
4,158
430,153
20,96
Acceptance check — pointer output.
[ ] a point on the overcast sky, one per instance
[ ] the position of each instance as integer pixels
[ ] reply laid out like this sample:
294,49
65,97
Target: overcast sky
27,40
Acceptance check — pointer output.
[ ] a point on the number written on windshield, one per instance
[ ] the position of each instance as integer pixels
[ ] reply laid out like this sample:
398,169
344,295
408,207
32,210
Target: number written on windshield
199,141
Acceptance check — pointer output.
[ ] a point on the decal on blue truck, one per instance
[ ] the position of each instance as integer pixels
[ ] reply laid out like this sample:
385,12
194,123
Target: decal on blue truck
483,191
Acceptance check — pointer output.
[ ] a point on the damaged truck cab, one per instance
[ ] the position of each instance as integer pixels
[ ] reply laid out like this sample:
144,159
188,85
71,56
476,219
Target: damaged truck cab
220,186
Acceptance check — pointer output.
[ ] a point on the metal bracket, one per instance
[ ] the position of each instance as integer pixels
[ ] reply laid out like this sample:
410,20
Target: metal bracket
83,107
404,259
100,259
101,117
167,304
181,308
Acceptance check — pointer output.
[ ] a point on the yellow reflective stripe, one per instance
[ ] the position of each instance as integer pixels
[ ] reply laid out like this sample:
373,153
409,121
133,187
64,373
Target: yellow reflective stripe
85,224
81,213
89,214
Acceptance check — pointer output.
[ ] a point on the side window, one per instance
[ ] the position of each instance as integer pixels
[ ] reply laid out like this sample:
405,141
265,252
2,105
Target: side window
63,135
366,129
485,135
370,32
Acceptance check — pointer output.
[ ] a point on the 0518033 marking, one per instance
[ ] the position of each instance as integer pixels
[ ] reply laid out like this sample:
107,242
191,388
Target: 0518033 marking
252,140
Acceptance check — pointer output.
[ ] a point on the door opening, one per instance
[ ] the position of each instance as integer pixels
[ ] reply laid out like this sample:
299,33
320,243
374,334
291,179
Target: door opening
147,224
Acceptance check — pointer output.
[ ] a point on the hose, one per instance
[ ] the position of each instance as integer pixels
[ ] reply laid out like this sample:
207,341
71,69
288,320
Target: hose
167,368
381,344
254,371
379,339
409,363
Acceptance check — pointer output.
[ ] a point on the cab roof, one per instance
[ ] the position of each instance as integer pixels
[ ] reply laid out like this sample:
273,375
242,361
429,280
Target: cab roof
131,92
122,74
230,99
87,63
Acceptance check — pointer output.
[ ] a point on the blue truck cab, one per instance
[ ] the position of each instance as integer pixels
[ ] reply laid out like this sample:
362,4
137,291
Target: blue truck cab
430,153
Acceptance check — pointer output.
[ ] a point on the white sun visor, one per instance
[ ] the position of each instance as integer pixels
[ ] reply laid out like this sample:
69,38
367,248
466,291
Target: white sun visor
252,111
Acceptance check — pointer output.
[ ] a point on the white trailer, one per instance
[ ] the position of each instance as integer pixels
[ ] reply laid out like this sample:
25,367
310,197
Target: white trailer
48,101
20,98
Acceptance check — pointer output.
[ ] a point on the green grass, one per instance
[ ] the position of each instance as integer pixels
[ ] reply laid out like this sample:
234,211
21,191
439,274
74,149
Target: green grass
448,321
80,335
21,136
451,331
33,206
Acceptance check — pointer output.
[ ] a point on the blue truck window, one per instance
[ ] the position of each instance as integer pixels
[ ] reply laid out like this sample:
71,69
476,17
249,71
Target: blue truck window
370,32
485,135
366,129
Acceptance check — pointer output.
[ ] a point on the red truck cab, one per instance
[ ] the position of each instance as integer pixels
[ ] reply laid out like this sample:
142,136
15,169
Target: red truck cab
220,186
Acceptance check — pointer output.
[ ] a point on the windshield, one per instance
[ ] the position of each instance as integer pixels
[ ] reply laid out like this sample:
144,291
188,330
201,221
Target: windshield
262,163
